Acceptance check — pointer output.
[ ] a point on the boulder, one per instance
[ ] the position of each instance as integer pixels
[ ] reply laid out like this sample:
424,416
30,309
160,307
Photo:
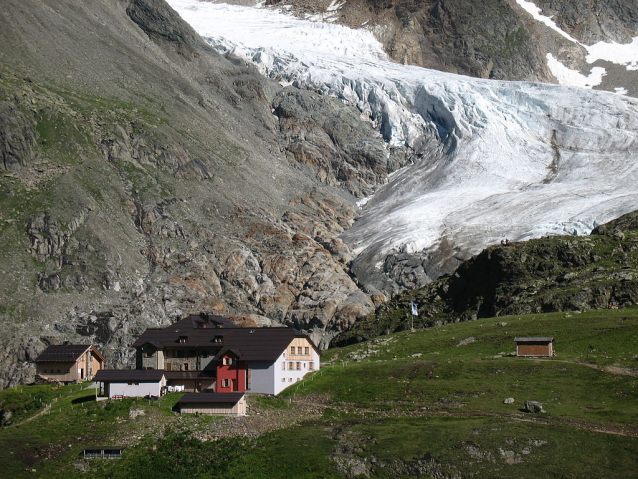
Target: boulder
534,407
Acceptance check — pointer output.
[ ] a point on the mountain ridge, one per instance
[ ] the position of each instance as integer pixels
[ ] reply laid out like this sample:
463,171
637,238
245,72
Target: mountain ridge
550,274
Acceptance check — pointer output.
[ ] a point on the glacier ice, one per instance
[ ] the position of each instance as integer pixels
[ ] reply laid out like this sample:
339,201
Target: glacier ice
496,159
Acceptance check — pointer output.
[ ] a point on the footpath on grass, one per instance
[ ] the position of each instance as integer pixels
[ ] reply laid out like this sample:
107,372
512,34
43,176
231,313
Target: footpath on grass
608,369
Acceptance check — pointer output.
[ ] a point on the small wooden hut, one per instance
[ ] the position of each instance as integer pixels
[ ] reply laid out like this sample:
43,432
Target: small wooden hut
534,346
223,404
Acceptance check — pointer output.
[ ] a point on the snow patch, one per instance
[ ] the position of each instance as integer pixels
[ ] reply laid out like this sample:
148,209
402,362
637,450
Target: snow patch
566,76
621,54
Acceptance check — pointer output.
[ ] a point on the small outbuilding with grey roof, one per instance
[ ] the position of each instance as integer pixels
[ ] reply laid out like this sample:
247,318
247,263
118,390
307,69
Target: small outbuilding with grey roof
539,346
222,404
69,362
117,384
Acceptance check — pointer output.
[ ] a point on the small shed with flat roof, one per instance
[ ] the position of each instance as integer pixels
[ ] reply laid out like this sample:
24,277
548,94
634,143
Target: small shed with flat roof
539,346
118,384
98,452
222,404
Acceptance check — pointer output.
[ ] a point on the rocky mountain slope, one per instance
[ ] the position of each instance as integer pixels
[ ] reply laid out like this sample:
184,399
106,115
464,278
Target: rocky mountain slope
146,177
538,276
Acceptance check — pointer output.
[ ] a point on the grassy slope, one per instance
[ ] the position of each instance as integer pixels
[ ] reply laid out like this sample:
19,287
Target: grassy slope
412,404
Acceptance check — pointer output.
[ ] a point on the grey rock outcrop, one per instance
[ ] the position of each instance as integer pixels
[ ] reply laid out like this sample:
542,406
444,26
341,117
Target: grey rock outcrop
563,273
323,134
534,407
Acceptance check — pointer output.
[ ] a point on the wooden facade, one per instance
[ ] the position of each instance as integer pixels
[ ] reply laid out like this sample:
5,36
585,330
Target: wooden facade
69,363
223,404
542,346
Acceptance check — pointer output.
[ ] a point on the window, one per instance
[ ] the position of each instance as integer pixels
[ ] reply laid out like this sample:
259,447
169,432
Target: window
283,380
292,350
283,366
133,384
185,366
290,365
183,339
298,366
225,383
218,339
289,380
149,354
306,350
230,361
311,366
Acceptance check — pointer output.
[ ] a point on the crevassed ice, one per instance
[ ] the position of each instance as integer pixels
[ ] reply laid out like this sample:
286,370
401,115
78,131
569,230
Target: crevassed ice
497,159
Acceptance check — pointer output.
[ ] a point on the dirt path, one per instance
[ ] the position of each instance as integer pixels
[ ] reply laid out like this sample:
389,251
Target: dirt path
608,369
617,429
46,409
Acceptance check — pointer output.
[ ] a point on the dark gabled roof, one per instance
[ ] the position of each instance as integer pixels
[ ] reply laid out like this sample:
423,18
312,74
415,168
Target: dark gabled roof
534,340
200,331
189,398
136,375
105,448
250,344
63,353
224,351
259,344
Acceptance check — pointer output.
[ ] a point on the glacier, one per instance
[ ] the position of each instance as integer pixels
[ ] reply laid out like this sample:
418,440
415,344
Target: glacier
496,159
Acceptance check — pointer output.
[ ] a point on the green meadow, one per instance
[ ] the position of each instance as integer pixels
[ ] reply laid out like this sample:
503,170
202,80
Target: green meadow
425,403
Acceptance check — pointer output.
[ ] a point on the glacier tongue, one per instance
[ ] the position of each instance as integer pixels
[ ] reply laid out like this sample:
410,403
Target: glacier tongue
497,159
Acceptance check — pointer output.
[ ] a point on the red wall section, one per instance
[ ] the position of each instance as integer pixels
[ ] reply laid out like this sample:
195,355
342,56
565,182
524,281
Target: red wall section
236,373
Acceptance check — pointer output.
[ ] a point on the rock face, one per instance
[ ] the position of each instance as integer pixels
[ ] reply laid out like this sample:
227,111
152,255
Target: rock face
608,20
146,177
544,275
320,133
